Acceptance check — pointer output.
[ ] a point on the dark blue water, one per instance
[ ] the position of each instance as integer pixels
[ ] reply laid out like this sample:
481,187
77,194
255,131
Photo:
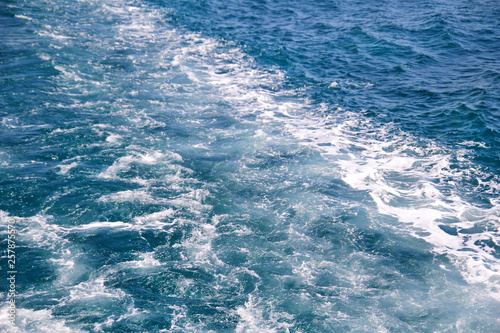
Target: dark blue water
251,166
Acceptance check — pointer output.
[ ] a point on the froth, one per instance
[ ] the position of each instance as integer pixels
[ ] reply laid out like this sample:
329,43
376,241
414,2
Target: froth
414,181
42,321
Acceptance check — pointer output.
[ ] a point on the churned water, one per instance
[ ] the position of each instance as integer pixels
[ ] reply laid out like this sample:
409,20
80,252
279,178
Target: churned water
250,166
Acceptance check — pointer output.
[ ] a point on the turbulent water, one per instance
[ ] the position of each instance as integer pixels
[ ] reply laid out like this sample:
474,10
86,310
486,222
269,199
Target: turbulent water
250,166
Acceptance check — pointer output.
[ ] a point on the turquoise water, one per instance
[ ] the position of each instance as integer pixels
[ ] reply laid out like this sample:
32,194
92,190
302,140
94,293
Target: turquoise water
251,166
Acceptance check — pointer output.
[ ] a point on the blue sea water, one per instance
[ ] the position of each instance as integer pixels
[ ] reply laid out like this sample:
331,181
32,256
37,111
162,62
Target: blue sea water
251,166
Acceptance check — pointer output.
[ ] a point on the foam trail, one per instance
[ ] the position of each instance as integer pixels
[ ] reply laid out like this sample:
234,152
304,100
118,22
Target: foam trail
374,157
412,180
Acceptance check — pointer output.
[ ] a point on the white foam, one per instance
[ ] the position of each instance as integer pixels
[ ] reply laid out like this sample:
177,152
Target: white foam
147,260
64,131
252,319
45,57
334,84
65,168
39,232
98,225
54,35
69,73
155,217
24,17
179,322
10,122
4,159
410,182
124,163
128,196
40,321
92,289
113,138
474,144
35,230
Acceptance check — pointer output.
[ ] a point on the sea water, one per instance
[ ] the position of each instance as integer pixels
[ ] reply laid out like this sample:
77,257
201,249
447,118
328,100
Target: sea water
250,166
